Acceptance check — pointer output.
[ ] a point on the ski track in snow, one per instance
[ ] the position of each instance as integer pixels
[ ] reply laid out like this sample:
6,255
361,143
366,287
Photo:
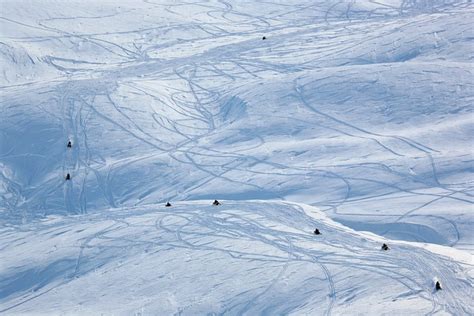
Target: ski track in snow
360,108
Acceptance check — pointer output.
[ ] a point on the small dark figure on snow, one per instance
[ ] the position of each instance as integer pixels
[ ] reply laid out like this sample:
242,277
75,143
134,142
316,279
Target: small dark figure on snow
216,202
385,247
168,204
438,286
69,144
317,232
264,38
68,176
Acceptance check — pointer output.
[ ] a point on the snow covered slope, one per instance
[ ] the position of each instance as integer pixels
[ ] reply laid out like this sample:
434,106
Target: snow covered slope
360,108
248,257
343,106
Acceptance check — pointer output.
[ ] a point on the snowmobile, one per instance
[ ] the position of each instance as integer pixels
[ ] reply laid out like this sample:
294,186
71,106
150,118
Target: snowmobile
216,202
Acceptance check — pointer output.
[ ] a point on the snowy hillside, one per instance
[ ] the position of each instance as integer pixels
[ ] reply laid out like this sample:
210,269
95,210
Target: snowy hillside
359,112
238,258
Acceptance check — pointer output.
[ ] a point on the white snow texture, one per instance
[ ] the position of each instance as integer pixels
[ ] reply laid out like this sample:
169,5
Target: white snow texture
353,117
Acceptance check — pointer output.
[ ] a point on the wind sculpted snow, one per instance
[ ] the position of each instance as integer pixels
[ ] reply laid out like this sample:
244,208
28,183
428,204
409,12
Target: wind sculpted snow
362,109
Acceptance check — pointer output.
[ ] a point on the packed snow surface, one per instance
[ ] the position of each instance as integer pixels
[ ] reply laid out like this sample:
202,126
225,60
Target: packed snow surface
354,117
